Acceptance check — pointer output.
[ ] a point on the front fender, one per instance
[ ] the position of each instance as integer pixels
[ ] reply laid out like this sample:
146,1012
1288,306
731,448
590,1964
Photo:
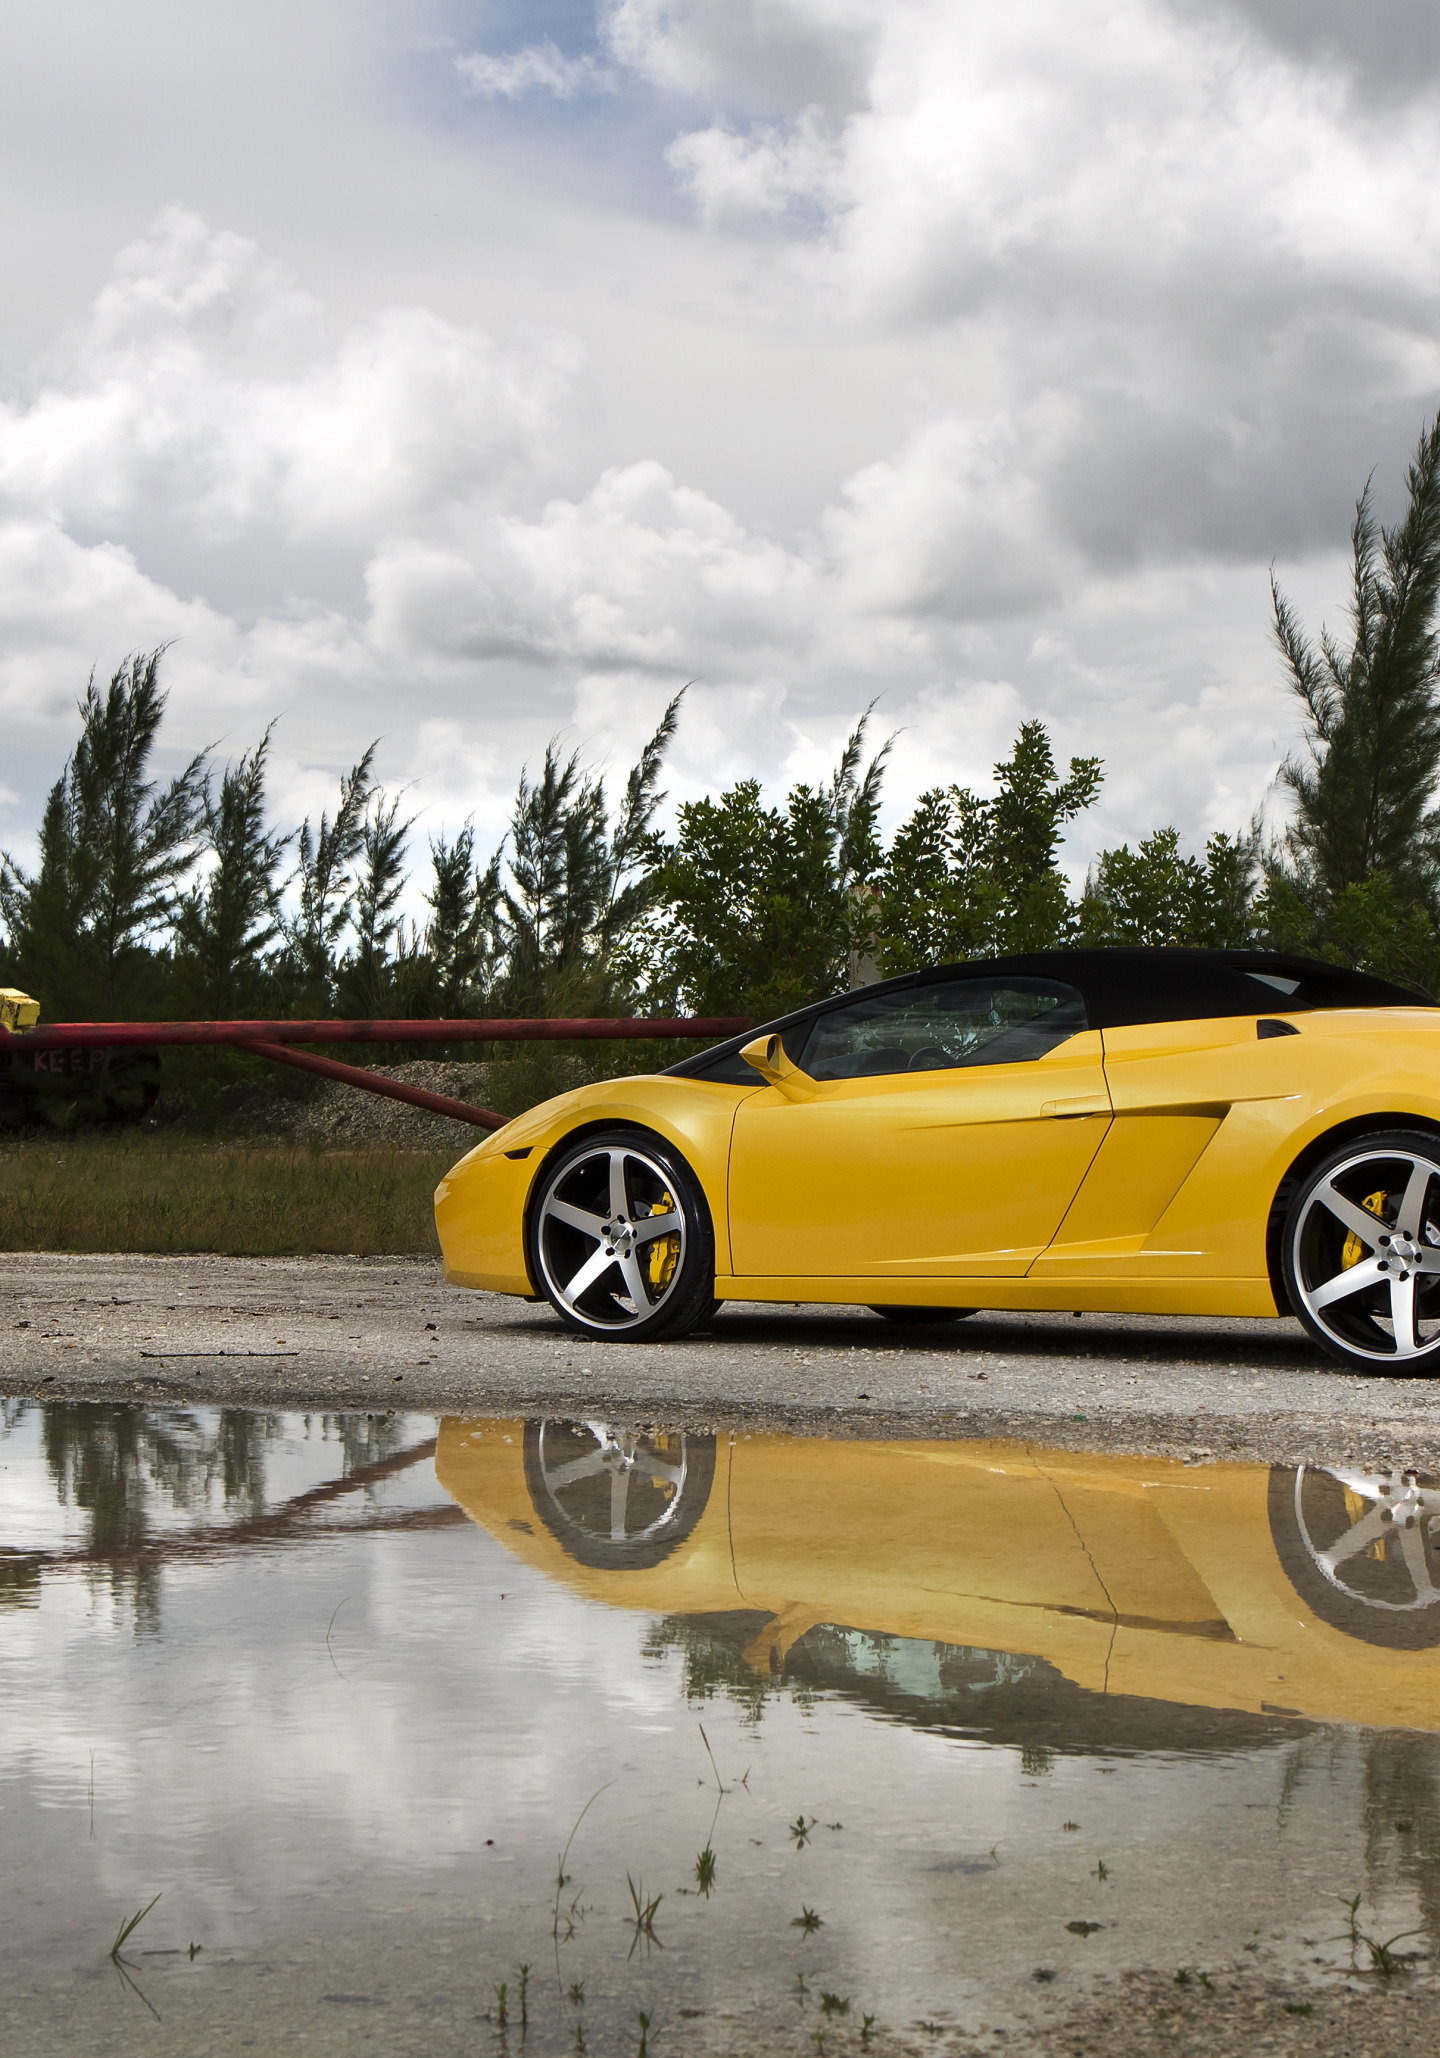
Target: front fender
480,1205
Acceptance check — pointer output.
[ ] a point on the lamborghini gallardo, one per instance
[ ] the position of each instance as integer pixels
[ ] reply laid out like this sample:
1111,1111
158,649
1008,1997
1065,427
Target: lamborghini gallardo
1186,1132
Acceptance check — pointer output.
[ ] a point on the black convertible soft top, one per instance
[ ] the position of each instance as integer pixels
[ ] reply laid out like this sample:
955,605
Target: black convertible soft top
1120,987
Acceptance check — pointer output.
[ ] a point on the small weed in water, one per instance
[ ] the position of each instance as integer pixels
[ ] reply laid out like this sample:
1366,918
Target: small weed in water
1382,1954
705,1871
1072,1826
817,2038
867,2023
643,1919
642,2049
1083,1929
576,1995
1299,2007
128,1928
1043,1974
807,1920
711,1756
502,1997
801,1990
834,2004
524,1991
562,1877
800,1829
1102,1870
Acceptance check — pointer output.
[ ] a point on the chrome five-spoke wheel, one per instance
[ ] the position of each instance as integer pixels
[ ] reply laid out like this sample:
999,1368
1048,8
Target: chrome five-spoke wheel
621,1240
618,1498
1361,1544
1362,1253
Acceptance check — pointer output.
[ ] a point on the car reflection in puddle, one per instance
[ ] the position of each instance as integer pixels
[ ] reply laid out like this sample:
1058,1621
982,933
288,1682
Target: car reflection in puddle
944,1731
1201,1587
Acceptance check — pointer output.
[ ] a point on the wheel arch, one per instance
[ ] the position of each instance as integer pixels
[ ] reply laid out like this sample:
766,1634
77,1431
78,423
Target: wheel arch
1319,1147
597,1126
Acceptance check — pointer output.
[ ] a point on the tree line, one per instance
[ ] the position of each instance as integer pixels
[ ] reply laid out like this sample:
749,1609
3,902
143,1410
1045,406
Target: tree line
156,898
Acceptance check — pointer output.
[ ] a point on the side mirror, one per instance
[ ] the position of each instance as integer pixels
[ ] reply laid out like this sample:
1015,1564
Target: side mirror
767,1055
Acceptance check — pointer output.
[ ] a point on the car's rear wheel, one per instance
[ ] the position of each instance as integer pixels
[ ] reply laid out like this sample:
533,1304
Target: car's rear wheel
1361,1253
918,1315
1361,1546
621,1241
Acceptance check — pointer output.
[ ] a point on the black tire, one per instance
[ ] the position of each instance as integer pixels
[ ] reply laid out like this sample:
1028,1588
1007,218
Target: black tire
1358,1548
1360,1251
593,1247
916,1316
572,1470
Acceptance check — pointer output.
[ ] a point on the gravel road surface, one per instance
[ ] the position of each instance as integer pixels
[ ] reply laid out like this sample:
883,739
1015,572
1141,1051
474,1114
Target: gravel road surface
387,1332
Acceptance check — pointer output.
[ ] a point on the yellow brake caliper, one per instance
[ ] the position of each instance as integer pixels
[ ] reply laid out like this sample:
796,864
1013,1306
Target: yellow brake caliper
664,1251
1354,1249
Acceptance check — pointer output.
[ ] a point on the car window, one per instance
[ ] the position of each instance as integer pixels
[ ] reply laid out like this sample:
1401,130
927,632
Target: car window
940,1026
1279,983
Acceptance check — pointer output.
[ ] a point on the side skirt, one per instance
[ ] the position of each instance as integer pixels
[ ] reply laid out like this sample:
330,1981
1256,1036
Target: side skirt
1091,1296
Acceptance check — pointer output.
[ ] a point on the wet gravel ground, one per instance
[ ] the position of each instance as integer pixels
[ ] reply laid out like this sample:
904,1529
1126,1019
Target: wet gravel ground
384,1332
1232,2015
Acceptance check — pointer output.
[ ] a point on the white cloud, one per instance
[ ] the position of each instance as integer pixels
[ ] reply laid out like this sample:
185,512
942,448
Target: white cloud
641,572
1220,253
1067,318
758,56
538,68
765,172
205,397
952,525
203,380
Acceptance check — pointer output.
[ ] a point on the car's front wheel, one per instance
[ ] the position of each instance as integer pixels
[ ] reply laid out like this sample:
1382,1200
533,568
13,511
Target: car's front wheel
621,1241
1361,1253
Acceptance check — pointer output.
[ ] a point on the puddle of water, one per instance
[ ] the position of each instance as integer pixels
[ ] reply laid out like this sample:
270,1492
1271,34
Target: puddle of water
946,1717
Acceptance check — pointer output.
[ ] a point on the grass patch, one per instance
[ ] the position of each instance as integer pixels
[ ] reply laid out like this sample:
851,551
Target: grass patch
157,1193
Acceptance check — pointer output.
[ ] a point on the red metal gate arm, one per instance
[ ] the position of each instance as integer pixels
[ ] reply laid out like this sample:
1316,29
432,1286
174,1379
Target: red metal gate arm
510,1029
376,1082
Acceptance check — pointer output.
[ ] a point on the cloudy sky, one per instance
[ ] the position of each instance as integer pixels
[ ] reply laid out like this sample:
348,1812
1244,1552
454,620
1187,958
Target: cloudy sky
466,373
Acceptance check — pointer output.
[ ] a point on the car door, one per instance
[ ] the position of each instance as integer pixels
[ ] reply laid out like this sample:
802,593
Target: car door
950,1126
1183,1185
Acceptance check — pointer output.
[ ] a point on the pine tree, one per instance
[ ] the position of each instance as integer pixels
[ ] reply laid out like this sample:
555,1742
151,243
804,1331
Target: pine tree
366,983
458,944
326,886
232,916
114,845
1364,788
579,884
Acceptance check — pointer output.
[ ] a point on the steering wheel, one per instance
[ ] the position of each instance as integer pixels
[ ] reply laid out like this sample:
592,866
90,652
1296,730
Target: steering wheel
930,1059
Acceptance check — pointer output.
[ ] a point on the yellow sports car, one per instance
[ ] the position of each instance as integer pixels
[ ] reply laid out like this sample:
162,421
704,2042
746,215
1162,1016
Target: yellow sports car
1177,1132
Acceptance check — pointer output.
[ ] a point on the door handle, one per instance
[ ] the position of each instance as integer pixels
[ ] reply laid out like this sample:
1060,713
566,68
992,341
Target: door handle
1083,1104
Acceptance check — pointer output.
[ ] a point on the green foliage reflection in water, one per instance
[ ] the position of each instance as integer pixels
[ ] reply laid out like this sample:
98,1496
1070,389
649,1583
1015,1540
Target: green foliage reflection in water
128,1470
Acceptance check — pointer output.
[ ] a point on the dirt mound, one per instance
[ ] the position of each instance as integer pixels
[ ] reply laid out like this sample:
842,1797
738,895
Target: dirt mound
341,1114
